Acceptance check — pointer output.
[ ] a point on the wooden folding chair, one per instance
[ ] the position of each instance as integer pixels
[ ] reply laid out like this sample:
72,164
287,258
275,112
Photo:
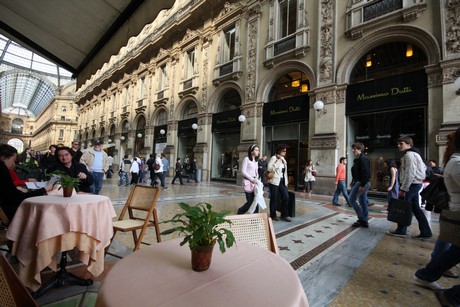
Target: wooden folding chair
254,228
4,223
142,214
12,291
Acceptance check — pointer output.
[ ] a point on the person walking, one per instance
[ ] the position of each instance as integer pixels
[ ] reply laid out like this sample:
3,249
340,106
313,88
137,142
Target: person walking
361,172
96,161
134,170
249,171
178,172
109,172
76,151
125,166
340,186
192,172
165,165
277,165
309,179
446,259
412,174
393,189
158,172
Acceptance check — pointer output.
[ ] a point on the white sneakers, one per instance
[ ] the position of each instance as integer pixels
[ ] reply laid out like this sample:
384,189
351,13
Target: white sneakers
430,285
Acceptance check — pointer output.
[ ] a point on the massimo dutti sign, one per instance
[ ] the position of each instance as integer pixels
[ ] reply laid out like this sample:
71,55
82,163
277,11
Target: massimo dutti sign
388,93
295,109
226,121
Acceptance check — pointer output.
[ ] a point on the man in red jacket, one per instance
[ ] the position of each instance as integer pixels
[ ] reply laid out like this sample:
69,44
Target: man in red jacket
340,177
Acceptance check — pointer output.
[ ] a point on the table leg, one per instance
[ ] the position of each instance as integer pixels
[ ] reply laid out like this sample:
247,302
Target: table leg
61,278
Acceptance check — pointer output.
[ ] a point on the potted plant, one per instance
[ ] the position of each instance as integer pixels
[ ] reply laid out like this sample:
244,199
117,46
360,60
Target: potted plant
67,182
202,228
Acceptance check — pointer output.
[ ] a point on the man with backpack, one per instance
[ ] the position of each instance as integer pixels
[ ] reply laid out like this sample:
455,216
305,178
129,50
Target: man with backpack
156,170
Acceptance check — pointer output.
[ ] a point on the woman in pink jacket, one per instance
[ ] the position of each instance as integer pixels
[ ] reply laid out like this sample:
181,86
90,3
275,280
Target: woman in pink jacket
249,170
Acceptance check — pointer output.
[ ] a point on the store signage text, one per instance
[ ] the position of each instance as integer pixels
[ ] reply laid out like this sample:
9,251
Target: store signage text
289,110
393,91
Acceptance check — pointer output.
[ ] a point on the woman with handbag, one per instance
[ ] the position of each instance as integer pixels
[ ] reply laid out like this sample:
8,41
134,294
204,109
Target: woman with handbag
250,173
278,183
449,229
309,179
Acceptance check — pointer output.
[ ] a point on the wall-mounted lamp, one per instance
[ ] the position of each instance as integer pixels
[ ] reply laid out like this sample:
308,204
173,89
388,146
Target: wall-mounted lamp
241,118
162,131
109,140
295,83
194,126
139,135
457,86
122,138
319,107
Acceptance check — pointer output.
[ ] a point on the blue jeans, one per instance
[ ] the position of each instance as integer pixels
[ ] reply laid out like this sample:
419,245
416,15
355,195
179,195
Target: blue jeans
360,208
413,197
438,265
154,179
341,188
97,183
275,193
123,175
439,247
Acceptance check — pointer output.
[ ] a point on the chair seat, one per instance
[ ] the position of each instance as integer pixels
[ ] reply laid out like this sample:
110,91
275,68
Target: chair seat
127,225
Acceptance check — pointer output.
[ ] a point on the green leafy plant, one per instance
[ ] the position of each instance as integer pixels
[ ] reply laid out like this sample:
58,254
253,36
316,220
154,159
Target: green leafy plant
66,181
202,226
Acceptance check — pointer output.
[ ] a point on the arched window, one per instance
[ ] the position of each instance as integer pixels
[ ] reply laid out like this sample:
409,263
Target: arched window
190,111
162,118
17,126
289,85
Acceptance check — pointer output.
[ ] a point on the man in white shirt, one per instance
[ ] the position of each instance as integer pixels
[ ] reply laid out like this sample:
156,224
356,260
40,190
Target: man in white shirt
96,161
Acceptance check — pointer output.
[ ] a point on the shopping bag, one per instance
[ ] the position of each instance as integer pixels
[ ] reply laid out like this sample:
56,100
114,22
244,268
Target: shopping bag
400,211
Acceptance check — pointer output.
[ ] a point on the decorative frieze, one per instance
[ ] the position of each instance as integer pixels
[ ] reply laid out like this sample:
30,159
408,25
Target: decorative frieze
324,141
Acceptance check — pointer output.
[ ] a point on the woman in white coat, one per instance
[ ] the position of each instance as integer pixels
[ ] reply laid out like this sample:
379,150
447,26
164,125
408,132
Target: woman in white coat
277,165
249,170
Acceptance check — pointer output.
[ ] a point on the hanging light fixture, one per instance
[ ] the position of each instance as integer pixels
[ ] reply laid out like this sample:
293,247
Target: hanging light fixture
368,60
295,83
409,51
304,88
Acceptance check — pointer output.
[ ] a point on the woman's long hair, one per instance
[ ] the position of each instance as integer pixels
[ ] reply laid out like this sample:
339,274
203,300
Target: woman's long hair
450,149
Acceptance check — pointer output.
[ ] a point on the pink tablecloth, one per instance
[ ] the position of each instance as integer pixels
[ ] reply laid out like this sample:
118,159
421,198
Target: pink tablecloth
161,275
45,225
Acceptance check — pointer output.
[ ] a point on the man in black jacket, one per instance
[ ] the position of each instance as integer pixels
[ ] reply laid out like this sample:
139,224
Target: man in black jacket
67,164
361,172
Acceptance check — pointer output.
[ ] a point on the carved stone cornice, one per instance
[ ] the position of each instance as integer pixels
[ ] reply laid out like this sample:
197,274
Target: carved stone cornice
324,141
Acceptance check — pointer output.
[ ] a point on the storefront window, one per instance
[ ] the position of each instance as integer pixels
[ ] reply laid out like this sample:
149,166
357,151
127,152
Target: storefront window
379,133
225,156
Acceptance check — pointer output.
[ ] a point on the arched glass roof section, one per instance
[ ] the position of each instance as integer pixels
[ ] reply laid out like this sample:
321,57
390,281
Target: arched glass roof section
28,82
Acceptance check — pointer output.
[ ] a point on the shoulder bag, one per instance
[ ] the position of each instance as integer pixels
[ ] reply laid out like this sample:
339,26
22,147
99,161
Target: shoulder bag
436,194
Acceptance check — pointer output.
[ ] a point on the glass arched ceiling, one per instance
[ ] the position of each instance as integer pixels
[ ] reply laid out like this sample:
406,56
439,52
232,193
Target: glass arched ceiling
28,81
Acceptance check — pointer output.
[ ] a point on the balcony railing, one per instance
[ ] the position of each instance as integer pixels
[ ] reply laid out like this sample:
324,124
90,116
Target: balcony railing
367,15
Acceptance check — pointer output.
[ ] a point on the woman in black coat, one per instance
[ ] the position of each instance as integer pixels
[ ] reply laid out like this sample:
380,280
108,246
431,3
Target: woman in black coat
67,164
11,197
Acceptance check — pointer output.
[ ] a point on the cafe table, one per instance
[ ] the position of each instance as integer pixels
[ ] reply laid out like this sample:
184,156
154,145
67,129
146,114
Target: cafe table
161,275
43,226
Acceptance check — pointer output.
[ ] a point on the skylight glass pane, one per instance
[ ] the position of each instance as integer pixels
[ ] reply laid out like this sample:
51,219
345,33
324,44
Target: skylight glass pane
16,60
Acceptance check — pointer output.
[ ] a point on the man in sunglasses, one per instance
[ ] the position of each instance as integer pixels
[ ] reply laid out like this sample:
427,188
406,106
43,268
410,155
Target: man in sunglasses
76,151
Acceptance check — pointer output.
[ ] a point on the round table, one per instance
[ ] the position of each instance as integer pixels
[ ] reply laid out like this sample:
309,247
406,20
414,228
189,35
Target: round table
45,225
161,275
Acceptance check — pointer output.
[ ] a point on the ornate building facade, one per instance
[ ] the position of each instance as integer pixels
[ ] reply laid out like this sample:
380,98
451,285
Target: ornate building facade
208,78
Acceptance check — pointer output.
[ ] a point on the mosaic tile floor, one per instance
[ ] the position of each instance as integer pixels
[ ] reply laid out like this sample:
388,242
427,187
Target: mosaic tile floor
337,264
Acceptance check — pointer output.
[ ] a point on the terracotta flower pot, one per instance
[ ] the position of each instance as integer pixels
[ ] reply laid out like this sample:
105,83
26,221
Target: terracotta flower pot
67,192
201,258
